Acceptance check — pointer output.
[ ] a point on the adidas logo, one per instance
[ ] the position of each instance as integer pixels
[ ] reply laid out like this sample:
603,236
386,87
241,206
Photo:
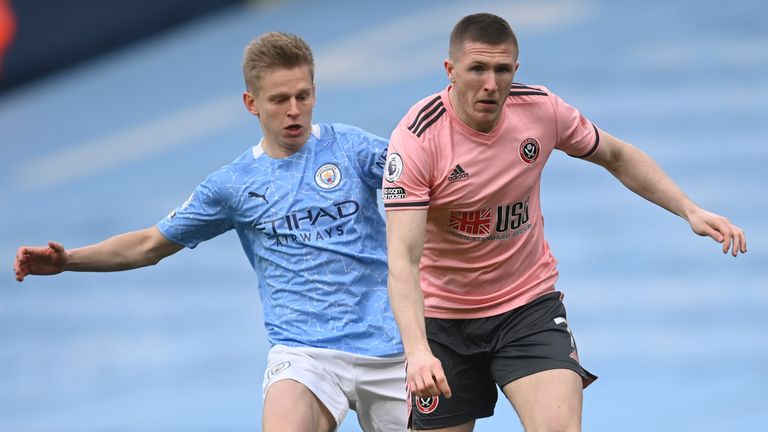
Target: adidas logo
458,173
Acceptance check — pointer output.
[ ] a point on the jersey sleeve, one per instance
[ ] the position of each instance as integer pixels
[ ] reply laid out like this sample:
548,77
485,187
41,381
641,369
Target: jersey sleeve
368,150
407,172
577,136
201,217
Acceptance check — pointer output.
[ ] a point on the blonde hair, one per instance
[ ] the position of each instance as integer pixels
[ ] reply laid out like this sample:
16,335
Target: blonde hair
274,50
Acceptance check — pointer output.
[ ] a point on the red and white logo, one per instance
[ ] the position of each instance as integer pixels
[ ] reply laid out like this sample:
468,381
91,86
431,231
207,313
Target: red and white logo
427,405
529,150
477,222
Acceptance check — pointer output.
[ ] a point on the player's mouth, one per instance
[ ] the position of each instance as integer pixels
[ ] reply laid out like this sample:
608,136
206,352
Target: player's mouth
294,130
487,104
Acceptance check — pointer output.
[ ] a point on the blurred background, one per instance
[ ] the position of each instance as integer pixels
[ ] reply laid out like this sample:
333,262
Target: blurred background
112,112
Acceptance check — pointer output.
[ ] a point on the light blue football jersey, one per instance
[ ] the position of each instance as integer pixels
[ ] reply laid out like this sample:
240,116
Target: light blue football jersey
311,228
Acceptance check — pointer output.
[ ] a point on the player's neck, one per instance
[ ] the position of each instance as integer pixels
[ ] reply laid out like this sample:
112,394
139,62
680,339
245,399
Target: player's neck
281,150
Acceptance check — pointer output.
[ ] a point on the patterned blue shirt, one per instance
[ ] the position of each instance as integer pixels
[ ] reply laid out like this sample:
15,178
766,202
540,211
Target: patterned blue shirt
311,228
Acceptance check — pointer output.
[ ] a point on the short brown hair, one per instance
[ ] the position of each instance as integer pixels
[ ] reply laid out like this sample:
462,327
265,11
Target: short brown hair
481,27
274,50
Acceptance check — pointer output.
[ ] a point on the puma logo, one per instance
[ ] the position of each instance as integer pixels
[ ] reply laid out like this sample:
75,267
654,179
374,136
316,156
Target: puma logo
258,195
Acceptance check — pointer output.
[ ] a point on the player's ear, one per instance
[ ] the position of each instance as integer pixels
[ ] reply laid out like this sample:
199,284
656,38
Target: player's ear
250,103
449,70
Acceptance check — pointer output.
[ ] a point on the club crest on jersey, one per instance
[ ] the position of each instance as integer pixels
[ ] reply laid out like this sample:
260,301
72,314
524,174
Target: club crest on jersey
529,150
394,168
426,405
276,369
328,176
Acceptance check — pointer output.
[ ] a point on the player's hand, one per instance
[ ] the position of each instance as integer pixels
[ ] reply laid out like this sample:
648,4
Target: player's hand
720,229
425,376
45,260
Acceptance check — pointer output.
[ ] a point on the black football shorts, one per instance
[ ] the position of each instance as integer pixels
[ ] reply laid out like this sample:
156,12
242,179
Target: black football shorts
479,354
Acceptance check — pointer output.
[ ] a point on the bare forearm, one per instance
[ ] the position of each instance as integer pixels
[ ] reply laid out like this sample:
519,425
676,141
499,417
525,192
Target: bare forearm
407,302
642,175
405,244
122,252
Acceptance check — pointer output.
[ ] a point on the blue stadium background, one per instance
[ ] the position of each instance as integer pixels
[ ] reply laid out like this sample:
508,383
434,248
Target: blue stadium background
675,329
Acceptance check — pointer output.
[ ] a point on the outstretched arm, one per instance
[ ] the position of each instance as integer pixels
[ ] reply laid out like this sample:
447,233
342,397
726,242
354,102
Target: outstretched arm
405,242
642,175
122,252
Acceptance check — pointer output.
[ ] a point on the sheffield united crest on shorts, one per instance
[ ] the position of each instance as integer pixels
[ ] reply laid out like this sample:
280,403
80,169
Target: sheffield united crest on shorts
426,405
328,176
529,150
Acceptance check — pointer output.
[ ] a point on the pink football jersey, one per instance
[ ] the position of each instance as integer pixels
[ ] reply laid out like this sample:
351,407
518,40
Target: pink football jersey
484,251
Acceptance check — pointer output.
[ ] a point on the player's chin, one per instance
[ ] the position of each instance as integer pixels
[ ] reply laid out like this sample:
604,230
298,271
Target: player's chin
486,117
295,138
487,108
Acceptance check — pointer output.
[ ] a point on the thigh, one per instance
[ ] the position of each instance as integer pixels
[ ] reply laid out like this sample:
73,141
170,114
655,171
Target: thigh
473,390
290,405
299,366
548,400
380,393
535,338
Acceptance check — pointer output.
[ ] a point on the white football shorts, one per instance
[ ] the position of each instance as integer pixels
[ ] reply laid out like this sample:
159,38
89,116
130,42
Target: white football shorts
372,386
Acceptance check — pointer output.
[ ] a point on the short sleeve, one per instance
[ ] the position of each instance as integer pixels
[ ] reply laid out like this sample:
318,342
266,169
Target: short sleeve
201,217
577,136
407,172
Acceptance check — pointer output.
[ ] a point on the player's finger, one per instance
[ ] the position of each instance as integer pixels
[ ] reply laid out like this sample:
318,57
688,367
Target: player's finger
25,252
430,388
19,270
743,241
413,386
711,232
422,388
57,247
725,233
442,384
727,243
21,252
19,260
739,242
